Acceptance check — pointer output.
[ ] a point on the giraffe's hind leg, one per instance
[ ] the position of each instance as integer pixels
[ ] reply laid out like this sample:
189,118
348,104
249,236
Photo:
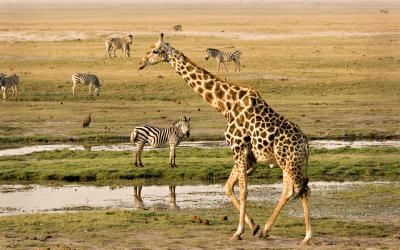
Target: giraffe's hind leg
287,193
229,189
307,220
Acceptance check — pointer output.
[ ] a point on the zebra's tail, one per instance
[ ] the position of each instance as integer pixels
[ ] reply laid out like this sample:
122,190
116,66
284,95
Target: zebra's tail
134,136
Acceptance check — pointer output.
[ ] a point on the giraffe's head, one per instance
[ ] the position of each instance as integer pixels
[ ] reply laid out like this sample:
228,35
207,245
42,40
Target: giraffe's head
184,125
157,53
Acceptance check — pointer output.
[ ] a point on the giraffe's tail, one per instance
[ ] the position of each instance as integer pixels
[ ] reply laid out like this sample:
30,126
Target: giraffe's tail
304,190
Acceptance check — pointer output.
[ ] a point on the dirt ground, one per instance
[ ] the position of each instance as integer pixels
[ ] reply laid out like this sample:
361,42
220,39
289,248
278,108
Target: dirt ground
195,239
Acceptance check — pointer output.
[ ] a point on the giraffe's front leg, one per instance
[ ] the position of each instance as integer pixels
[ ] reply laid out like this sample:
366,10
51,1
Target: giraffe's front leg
233,178
242,207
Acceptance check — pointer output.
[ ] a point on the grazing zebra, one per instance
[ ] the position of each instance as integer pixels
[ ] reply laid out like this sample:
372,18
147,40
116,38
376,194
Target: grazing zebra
158,137
123,43
177,27
223,57
87,79
7,82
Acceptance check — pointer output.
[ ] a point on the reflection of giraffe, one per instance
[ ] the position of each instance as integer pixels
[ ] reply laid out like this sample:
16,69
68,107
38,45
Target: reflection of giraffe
254,132
138,201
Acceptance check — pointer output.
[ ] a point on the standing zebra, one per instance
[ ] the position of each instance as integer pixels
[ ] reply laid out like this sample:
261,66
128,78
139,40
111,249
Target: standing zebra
158,137
223,57
87,79
123,43
7,82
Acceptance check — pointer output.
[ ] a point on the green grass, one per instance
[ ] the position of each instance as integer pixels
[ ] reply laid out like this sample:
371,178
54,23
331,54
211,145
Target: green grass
194,165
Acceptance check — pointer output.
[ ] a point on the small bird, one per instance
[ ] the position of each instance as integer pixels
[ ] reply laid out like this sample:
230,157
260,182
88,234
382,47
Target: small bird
86,121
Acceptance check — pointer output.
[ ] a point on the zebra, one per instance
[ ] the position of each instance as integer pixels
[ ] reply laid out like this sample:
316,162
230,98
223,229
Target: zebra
223,57
123,43
158,137
7,82
87,79
177,27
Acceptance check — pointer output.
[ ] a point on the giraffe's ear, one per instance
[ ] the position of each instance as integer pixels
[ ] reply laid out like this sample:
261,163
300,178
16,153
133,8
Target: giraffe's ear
161,37
188,119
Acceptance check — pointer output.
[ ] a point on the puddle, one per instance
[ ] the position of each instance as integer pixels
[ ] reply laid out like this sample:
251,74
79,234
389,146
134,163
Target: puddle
327,198
47,36
330,144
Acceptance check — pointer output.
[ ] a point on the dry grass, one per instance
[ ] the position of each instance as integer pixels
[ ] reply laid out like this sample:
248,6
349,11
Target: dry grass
333,87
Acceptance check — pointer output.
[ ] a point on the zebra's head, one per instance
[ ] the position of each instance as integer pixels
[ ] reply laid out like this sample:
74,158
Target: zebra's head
158,53
130,38
184,125
207,54
210,53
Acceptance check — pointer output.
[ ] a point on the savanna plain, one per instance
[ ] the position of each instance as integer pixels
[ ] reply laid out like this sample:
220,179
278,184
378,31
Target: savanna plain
332,67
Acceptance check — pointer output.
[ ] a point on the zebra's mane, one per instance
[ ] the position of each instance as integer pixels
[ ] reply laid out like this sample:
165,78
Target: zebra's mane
213,52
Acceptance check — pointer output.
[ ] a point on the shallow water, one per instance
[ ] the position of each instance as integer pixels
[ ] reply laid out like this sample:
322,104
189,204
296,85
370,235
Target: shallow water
18,199
330,144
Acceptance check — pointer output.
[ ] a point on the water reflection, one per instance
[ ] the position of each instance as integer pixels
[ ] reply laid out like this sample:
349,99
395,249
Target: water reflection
139,204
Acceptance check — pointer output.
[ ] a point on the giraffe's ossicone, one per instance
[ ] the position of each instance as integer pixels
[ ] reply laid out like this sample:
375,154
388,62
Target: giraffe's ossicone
254,132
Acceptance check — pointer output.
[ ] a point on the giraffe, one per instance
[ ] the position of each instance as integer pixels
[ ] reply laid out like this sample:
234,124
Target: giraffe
254,132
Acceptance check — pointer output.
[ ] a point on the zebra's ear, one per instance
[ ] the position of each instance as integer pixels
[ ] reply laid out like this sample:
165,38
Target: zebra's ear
161,37
188,119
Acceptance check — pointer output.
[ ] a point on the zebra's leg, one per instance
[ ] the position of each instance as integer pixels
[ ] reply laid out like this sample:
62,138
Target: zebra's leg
4,93
225,66
16,90
218,66
97,90
90,89
115,55
73,89
138,153
12,88
172,150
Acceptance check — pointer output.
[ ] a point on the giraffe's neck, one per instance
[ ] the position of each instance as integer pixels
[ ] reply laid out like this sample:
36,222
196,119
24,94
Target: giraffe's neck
213,90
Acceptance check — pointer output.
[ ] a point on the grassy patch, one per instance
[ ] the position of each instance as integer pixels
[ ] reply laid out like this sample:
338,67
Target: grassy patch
112,227
194,165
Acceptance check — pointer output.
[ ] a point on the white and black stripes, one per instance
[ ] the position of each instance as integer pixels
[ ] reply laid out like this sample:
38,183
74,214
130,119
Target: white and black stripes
86,79
7,82
223,57
122,43
159,137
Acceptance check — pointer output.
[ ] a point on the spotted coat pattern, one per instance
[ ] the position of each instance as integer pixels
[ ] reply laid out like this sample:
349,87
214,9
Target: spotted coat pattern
254,131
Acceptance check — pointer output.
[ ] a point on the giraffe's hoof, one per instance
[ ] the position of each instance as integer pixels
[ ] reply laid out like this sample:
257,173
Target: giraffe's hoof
140,165
235,237
255,229
305,243
263,235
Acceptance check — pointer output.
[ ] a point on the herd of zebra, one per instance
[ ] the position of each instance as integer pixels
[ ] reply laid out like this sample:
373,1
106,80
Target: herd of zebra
124,44
153,136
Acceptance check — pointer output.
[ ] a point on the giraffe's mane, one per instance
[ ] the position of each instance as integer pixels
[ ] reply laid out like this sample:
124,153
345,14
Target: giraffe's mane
217,77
